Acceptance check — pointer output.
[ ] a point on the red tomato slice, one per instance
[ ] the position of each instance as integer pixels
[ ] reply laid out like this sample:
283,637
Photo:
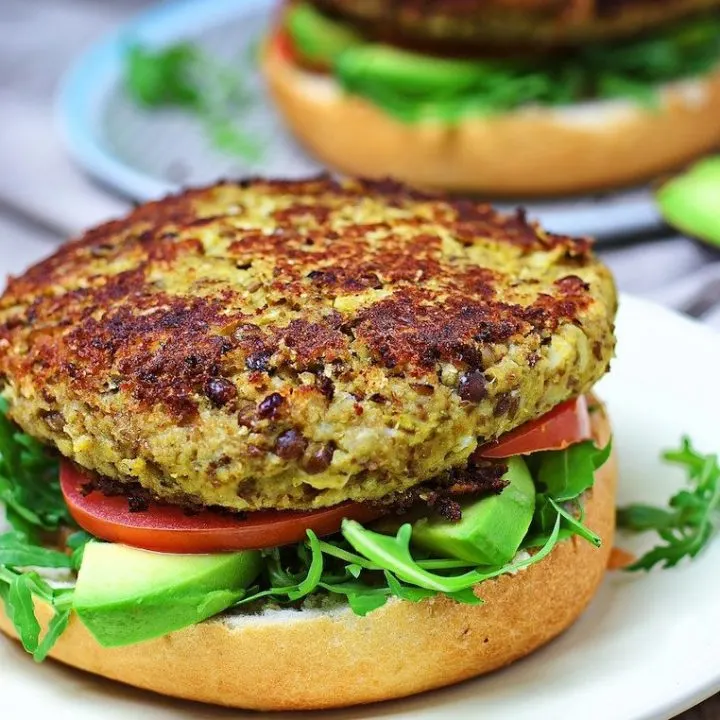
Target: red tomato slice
284,45
564,425
167,528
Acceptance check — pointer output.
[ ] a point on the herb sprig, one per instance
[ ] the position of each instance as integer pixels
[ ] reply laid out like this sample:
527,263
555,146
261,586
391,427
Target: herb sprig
691,518
184,77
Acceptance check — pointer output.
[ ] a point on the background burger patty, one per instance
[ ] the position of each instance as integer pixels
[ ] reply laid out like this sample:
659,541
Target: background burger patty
512,21
295,344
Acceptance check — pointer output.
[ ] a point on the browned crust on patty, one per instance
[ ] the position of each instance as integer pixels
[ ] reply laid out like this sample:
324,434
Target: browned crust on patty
90,327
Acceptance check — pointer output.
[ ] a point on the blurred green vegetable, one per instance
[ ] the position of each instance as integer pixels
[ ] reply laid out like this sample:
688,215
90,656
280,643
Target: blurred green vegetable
182,76
163,77
691,201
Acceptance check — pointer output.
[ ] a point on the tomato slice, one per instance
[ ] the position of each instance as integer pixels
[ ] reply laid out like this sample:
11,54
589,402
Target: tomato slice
284,45
564,425
168,528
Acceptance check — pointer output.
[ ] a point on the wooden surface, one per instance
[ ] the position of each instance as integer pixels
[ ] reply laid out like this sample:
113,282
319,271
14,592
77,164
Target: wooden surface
43,198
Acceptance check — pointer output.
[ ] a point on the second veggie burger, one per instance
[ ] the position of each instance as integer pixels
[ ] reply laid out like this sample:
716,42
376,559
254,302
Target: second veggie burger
532,97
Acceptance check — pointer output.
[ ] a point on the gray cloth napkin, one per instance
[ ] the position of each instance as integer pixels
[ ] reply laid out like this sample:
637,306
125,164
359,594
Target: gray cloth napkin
676,272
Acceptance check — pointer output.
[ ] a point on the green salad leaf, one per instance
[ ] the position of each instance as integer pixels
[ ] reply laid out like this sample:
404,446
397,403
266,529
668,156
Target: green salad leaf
393,553
378,566
16,551
691,518
56,628
183,76
20,610
29,485
163,77
573,523
567,474
17,589
34,507
563,476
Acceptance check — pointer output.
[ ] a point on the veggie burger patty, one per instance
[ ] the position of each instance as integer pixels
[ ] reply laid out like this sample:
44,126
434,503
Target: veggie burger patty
502,21
294,344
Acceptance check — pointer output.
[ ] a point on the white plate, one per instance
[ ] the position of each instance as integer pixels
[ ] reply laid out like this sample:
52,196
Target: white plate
146,155
646,649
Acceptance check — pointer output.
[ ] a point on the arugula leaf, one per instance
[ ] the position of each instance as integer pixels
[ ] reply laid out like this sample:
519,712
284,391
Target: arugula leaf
362,598
315,570
693,515
568,473
284,584
77,542
575,525
356,560
21,612
406,592
183,76
15,551
393,552
226,136
363,603
163,77
30,491
643,518
29,485
16,592
55,629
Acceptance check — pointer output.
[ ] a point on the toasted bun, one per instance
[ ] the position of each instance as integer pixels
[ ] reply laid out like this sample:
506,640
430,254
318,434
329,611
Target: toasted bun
535,151
292,660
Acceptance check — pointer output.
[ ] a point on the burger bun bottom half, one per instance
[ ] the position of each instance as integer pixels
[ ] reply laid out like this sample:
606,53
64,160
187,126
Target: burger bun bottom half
532,152
313,659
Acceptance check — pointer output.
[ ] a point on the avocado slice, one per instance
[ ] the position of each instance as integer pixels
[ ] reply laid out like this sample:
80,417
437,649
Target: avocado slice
318,38
691,201
125,595
407,72
491,528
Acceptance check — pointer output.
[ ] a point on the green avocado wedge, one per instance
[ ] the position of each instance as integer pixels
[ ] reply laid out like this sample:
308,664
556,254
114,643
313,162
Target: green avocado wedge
125,595
407,72
491,529
319,38
691,201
